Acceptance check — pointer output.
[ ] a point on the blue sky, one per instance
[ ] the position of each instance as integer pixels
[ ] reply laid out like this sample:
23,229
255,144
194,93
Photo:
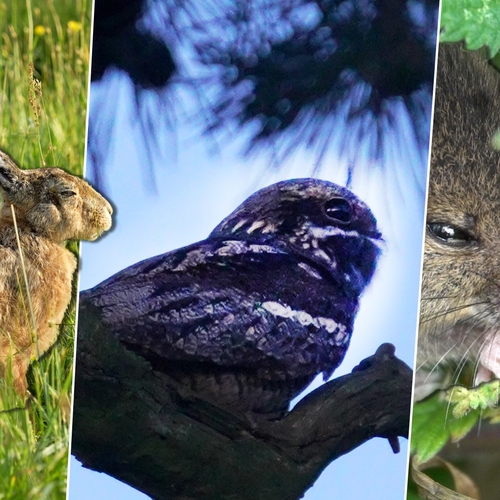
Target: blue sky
196,189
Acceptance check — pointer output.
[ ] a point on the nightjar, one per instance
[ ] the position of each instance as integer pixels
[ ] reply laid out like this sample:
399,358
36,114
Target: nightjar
249,316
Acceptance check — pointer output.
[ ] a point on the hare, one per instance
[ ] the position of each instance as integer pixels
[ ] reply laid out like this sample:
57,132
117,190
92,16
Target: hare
51,206
460,314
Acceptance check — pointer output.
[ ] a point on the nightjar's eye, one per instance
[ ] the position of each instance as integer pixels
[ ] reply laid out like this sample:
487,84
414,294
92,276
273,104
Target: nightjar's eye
339,209
451,235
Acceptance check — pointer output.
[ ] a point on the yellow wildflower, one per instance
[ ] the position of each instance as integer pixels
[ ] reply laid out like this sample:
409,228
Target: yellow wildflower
39,30
74,26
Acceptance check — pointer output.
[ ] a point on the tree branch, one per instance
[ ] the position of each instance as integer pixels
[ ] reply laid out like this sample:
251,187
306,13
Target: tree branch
131,423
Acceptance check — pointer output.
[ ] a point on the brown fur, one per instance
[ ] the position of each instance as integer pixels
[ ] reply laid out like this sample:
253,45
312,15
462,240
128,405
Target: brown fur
461,281
51,207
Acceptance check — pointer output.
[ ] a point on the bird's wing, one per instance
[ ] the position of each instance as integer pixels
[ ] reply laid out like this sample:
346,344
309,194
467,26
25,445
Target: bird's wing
229,303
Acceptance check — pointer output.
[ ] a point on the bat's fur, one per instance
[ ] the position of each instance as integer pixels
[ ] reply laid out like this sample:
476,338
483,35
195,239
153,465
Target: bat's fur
461,276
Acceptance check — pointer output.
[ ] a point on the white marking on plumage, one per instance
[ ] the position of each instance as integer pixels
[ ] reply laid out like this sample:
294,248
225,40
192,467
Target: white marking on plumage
309,270
250,333
321,254
340,337
306,319
270,228
320,233
327,231
228,248
256,225
242,222
262,249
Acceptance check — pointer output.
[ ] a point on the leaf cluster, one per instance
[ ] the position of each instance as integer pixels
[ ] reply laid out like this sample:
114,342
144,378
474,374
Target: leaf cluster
474,21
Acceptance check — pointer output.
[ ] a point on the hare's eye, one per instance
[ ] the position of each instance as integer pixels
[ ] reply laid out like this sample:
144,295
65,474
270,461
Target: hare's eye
339,210
451,235
67,193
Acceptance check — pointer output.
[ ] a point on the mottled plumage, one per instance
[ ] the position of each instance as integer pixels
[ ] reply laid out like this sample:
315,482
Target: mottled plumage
247,317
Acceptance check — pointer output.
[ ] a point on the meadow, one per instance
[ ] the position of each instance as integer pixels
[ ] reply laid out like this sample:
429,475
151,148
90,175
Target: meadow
44,59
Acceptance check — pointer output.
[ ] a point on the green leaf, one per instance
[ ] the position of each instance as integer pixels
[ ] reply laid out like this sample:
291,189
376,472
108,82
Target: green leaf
433,425
481,397
459,427
428,429
475,21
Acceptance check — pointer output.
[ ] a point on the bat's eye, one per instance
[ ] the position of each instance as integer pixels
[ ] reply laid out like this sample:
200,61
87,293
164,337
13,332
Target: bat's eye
339,209
451,235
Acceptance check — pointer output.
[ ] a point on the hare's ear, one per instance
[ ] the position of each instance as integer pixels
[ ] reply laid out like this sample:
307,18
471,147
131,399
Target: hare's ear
10,173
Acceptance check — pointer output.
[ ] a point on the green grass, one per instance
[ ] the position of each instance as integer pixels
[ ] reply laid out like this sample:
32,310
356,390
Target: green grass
37,31
44,56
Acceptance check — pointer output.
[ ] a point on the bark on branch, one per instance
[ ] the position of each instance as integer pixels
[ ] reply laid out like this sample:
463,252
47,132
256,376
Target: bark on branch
130,423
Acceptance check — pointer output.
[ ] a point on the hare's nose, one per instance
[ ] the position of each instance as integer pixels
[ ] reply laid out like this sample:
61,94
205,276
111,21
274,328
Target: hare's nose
109,208
107,222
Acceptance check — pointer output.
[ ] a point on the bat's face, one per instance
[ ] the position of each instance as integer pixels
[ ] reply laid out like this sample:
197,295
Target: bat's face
322,222
459,313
